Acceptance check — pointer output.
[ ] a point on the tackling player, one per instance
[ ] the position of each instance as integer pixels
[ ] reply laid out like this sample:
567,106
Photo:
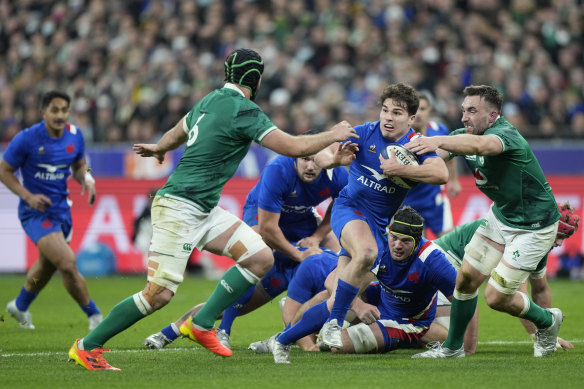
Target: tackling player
519,229
218,132
47,153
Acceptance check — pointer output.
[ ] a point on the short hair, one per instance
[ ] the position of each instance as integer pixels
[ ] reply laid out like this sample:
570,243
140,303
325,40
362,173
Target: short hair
47,97
402,94
489,93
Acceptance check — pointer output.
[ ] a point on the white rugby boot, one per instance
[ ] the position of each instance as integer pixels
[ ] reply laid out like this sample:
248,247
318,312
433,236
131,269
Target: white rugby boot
223,338
546,339
24,318
437,351
330,334
280,352
157,341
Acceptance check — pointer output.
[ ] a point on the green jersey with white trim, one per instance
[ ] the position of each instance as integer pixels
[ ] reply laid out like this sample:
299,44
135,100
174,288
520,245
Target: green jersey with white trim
514,181
220,130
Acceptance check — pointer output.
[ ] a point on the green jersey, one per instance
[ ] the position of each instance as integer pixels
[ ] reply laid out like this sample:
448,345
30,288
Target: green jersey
514,181
220,130
454,242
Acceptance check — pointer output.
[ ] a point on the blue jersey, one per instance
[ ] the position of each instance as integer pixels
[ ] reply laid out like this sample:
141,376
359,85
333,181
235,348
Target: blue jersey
280,190
368,188
423,195
311,274
45,164
408,289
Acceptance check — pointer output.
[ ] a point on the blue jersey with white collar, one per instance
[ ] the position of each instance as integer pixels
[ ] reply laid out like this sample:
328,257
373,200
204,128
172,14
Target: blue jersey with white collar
423,195
280,190
368,188
45,164
408,289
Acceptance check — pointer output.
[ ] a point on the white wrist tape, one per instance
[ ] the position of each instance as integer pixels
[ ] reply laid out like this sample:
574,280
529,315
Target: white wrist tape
89,178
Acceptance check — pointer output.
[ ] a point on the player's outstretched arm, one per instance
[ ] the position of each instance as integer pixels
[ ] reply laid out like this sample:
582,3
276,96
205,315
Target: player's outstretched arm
305,145
171,139
37,201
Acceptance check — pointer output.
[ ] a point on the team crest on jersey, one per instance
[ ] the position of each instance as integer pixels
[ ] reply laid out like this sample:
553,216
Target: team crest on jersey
326,192
382,269
70,148
372,148
41,150
480,178
294,194
414,277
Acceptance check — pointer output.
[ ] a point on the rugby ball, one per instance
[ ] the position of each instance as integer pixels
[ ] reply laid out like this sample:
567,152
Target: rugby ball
404,157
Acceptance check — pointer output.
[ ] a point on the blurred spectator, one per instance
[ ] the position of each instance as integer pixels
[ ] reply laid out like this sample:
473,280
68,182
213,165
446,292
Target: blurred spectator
134,67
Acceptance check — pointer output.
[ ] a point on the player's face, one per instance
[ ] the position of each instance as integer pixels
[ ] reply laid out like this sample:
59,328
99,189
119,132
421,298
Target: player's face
394,120
56,114
400,247
307,169
422,117
477,115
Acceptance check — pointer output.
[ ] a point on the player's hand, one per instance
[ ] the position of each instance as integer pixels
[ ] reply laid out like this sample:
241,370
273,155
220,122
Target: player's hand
423,145
39,201
345,153
390,166
309,241
343,131
148,150
367,313
89,186
563,344
308,252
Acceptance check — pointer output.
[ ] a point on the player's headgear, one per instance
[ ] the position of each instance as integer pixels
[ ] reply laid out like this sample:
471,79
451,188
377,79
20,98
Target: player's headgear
244,67
568,221
407,222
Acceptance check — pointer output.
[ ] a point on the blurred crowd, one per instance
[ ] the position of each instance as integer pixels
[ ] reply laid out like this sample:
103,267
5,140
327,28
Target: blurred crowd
134,68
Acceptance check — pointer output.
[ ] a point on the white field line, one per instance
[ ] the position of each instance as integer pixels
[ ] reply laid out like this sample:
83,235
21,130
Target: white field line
48,353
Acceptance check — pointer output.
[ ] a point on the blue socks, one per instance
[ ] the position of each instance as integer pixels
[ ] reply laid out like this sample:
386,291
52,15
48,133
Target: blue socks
345,295
311,321
90,309
24,299
231,312
169,332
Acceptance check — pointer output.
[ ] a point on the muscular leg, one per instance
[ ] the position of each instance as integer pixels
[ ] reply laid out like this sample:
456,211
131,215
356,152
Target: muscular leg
55,249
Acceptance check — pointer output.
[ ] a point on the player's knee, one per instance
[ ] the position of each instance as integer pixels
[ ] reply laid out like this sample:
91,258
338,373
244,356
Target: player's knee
362,338
260,263
366,258
68,268
157,296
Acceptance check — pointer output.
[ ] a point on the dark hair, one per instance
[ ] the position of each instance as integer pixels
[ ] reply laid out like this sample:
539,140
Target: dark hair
47,97
244,67
424,96
487,92
402,94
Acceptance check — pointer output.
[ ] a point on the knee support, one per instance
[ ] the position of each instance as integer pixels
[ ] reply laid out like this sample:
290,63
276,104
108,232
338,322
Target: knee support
507,280
166,270
362,337
481,255
244,243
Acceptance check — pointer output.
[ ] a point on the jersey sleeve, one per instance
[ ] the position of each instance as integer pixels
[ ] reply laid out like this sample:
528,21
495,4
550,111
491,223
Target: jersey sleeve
273,187
441,272
17,152
509,137
253,122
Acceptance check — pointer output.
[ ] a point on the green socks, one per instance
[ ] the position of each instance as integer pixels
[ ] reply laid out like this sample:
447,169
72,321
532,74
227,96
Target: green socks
122,316
234,283
540,317
461,312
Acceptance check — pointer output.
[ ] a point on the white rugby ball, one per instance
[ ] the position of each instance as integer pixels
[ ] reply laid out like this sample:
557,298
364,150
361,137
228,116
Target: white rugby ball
404,157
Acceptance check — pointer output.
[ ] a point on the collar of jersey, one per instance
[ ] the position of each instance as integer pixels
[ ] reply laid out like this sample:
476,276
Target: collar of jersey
229,85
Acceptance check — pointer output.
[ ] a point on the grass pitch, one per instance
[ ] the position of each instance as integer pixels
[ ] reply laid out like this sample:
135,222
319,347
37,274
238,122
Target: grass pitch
38,358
